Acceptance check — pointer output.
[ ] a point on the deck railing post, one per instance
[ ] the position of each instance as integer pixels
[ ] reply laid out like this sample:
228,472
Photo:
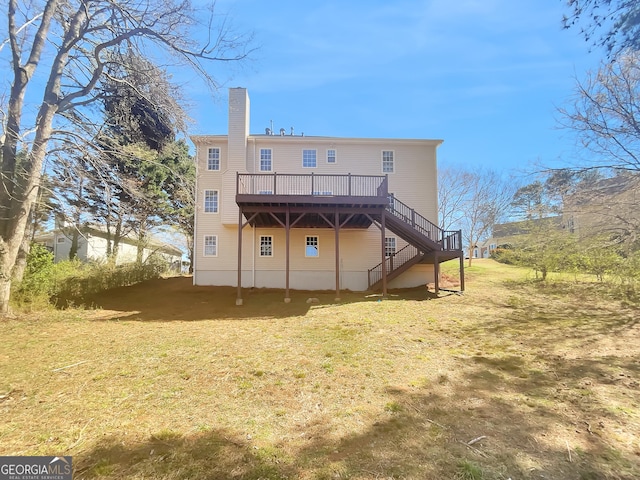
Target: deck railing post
413,217
311,183
275,175
349,184
237,183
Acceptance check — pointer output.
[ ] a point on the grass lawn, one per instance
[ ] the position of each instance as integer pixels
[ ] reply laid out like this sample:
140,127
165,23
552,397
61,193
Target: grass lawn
514,379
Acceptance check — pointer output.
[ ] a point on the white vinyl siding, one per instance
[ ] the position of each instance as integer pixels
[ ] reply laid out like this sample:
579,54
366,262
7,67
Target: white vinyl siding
210,246
309,159
312,246
211,201
266,160
387,161
213,159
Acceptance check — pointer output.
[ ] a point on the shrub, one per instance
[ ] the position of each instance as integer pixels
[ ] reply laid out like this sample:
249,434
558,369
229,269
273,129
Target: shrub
36,284
72,282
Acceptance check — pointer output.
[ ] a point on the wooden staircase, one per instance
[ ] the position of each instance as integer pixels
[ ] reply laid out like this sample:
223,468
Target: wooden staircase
427,243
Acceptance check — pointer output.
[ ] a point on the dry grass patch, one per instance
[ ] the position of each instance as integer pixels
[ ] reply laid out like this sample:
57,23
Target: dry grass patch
165,380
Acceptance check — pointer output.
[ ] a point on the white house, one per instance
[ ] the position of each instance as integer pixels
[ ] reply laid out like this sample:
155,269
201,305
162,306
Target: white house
288,211
92,247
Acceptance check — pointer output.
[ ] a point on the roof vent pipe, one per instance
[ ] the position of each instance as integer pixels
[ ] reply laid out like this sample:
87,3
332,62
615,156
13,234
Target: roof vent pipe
282,132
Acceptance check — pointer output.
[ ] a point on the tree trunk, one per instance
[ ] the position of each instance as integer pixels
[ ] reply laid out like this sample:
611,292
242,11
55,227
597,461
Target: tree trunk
5,294
14,227
21,260
142,240
73,249
117,236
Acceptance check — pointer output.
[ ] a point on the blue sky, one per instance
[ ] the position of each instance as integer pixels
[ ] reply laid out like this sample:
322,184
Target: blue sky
484,75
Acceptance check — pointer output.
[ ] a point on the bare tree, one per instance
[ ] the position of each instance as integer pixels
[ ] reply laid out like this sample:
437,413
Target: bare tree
604,112
78,38
454,185
473,201
486,204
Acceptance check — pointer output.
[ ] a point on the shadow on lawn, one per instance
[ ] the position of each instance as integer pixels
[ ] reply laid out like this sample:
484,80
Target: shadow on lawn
176,298
425,434
543,321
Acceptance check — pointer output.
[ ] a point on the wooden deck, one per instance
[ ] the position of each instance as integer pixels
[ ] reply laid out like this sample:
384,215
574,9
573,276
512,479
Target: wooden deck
339,202
265,199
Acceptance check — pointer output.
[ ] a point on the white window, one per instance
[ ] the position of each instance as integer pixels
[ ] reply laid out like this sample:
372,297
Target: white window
387,161
492,247
309,159
322,193
211,201
389,246
331,155
210,245
265,192
266,246
265,159
213,160
311,249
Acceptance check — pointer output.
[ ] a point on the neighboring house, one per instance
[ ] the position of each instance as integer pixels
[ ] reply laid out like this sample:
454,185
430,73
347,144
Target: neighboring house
92,247
509,233
315,213
484,249
609,207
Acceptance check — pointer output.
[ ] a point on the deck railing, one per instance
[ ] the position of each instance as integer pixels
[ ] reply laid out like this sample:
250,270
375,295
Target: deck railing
451,240
312,184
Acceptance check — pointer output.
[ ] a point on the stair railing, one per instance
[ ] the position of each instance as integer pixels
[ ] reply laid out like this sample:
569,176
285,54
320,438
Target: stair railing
448,240
393,262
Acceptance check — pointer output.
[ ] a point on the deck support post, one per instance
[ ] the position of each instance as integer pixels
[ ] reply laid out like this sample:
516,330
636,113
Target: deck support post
384,251
436,272
287,228
461,272
240,227
336,226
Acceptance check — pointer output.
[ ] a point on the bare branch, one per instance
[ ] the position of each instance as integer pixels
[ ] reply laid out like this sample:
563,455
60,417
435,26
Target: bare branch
604,113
